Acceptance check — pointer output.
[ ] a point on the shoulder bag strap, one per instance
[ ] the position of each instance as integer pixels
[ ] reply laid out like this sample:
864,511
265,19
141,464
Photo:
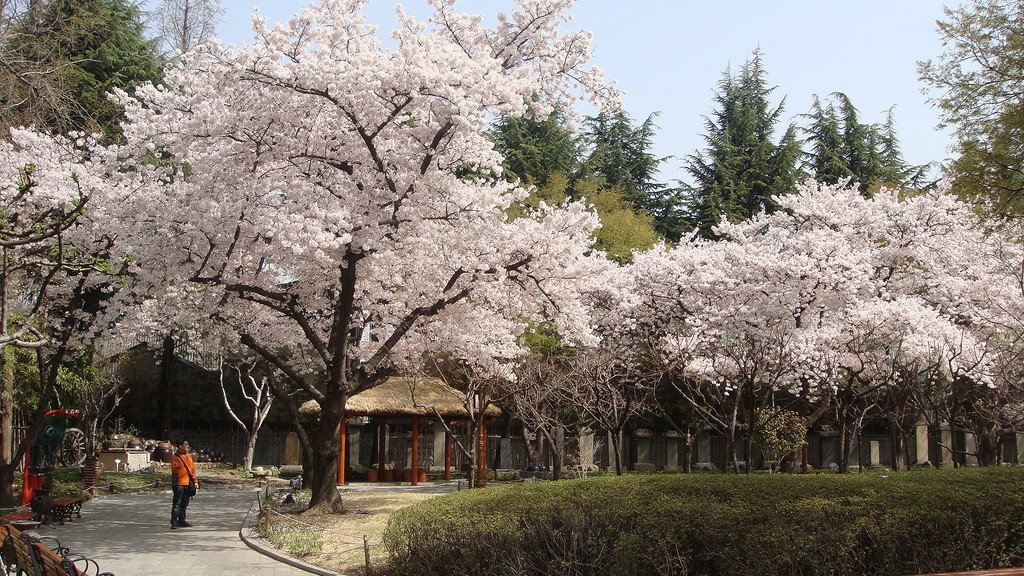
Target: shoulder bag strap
187,471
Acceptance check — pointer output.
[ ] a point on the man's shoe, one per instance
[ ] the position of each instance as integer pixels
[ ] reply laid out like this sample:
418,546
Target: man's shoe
185,525
173,526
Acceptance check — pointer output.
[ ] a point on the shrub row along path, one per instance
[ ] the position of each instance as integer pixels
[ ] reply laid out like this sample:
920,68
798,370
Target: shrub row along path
130,534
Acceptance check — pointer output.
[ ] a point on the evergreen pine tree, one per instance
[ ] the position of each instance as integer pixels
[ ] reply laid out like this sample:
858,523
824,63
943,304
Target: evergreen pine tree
620,157
894,168
825,159
65,56
743,169
843,149
535,151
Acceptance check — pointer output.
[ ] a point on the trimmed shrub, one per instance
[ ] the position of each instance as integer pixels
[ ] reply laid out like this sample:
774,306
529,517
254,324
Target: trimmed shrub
700,524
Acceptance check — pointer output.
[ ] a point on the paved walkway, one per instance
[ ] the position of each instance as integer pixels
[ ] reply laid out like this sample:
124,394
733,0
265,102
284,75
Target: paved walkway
130,534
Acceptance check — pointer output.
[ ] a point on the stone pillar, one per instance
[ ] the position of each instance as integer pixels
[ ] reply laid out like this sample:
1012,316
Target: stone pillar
672,451
585,458
828,450
355,429
611,452
643,449
875,453
438,444
970,450
292,450
704,446
945,452
921,442
505,452
1019,452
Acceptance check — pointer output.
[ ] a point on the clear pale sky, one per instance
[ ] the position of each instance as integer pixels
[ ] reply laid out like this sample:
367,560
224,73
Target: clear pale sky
667,57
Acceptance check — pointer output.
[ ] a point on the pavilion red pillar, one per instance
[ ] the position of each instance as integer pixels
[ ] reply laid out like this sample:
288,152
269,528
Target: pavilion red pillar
341,454
482,453
447,454
415,449
381,448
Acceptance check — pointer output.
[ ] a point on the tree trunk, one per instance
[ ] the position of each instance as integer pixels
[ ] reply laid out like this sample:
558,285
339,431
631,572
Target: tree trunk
250,450
687,451
6,409
8,499
559,452
843,446
897,439
617,450
472,452
6,378
326,452
748,436
532,451
166,384
988,445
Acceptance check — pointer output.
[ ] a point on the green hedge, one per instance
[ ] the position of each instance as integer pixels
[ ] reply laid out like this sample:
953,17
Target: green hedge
699,524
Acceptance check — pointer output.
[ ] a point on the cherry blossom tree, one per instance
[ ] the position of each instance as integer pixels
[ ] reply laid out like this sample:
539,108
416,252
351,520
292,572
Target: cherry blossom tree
609,390
834,298
59,260
534,400
326,208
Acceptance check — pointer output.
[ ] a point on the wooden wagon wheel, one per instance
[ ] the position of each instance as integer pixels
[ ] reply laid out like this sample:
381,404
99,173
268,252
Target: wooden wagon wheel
72,449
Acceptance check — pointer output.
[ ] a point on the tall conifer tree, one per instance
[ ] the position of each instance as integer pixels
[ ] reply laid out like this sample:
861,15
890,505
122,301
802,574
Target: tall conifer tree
825,137
535,151
743,169
843,149
65,56
620,157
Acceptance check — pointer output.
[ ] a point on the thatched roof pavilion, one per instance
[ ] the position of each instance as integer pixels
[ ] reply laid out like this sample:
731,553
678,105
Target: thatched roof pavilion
405,397
412,398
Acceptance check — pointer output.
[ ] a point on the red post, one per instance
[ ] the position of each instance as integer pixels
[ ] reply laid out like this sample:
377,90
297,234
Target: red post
343,436
482,453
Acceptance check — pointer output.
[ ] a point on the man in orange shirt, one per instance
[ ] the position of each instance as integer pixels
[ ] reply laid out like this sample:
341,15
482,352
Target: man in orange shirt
183,479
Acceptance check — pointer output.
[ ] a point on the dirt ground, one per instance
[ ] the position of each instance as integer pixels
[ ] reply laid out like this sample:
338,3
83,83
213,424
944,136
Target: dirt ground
343,534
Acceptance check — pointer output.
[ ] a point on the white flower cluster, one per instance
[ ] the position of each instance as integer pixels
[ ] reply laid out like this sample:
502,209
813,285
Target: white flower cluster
833,290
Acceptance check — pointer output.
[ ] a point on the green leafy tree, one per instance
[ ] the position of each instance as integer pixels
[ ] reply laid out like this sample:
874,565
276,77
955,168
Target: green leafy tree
743,169
62,58
979,87
623,230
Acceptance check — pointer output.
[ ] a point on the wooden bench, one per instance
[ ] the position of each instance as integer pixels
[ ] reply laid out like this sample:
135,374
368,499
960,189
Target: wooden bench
17,552
65,508
29,554
15,517
48,563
